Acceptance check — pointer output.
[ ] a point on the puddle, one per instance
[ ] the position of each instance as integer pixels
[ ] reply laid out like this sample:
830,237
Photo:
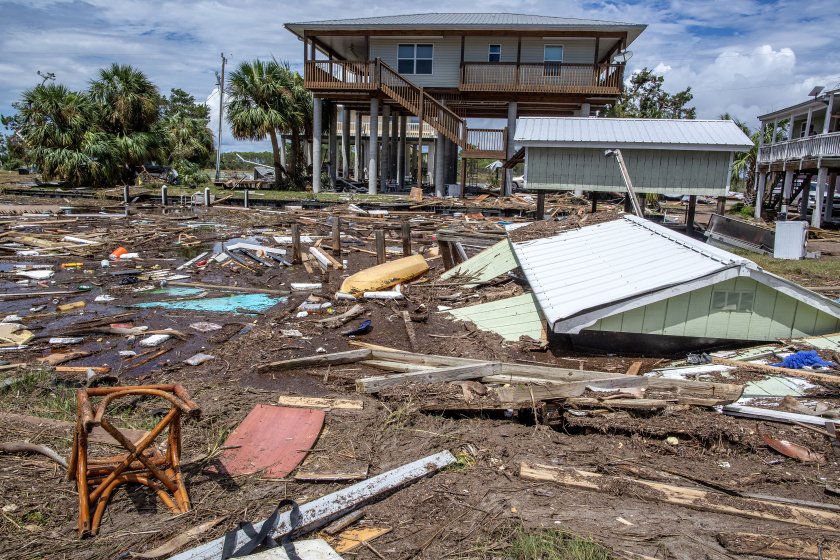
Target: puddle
242,304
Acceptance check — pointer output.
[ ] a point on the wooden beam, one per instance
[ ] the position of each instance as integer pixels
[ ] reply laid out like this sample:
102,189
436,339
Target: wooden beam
777,546
773,370
313,402
434,375
692,498
528,393
337,358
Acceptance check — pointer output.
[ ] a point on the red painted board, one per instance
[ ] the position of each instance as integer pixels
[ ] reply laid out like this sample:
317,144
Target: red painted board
273,439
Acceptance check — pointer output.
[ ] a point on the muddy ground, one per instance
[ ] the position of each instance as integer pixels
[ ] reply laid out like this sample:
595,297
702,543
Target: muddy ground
453,514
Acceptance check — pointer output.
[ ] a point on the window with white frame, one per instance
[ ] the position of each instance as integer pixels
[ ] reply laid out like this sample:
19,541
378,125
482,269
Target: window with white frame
552,58
415,58
495,53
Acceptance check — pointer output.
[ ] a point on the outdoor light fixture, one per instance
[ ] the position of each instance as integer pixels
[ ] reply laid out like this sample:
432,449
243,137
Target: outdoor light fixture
622,56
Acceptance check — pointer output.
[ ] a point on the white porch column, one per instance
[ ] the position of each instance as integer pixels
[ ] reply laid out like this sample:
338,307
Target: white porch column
827,121
431,160
440,152
401,153
357,164
395,137
786,192
817,215
511,126
386,141
317,108
790,127
333,144
345,142
282,146
808,122
373,152
761,178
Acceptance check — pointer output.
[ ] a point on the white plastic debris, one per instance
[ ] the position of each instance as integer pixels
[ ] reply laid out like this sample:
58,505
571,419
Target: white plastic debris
199,358
396,293
305,286
292,333
204,326
66,340
320,350
11,319
301,314
127,353
104,298
345,295
154,340
35,274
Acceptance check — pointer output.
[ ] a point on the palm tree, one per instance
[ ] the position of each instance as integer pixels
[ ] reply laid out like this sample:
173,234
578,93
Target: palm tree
260,102
743,163
128,107
56,125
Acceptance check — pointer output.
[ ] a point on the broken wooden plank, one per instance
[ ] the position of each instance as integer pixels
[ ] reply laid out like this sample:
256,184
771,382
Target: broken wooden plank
433,375
773,370
315,402
634,368
400,367
773,415
409,329
692,498
770,546
320,512
331,476
424,359
318,360
351,539
528,393
229,288
629,404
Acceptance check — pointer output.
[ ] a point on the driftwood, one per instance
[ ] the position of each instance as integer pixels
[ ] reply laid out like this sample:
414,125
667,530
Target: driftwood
26,447
339,320
770,546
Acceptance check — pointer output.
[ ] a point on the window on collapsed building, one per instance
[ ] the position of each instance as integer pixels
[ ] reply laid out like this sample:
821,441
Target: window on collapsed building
739,302
495,53
415,58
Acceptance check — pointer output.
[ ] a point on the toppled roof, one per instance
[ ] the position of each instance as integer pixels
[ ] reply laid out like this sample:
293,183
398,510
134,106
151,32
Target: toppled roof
470,21
584,275
583,132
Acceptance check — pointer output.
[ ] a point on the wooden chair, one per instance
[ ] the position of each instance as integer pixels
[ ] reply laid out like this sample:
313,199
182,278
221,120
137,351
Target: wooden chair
98,477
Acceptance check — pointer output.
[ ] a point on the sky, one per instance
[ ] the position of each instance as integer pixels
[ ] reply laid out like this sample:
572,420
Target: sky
744,57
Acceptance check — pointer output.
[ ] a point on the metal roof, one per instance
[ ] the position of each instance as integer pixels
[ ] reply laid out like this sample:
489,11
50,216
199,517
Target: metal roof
675,134
583,275
490,21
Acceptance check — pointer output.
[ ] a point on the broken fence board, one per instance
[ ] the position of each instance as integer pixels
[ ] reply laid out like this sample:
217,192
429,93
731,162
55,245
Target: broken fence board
317,513
337,358
692,498
316,402
433,375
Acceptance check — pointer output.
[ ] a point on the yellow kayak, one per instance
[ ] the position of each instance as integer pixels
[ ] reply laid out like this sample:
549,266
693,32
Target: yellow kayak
383,276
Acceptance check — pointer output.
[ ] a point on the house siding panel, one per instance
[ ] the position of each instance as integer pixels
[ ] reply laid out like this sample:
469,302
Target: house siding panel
775,315
575,50
476,49
446,65
660,171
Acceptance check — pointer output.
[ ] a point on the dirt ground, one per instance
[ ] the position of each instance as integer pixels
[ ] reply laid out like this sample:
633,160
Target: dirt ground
452,514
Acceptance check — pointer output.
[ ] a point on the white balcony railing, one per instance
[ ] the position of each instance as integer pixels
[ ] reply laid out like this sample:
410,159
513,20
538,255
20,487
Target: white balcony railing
820,146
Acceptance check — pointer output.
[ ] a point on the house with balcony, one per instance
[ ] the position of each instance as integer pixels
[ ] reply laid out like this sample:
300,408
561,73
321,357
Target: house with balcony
800,146
442,69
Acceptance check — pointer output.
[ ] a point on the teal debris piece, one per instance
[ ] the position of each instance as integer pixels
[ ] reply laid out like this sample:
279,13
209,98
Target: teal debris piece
177,291
241,303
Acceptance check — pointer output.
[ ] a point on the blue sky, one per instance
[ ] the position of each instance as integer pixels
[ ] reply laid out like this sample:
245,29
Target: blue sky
745,57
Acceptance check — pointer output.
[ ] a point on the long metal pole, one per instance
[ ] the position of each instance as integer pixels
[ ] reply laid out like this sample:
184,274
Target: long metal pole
631,192
221,114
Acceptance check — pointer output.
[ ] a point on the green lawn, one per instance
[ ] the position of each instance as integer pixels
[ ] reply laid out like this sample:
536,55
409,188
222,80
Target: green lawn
808,272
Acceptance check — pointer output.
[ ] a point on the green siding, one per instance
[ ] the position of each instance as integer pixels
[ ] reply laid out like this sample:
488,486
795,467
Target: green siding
774,315
655,170
510,318
488,264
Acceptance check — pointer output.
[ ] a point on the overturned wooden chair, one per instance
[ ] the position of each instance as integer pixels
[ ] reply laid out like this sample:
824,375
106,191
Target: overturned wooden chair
98,477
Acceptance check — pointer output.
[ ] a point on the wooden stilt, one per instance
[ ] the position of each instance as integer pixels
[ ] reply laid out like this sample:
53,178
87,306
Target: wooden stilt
380,246
689,216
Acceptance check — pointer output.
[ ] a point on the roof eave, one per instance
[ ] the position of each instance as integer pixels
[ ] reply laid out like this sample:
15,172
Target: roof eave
637,145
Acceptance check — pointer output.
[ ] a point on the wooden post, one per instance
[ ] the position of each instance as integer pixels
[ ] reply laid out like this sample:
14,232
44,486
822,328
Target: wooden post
540,213
463,177
296,252
689,217
336,236
379,236
405,234
593,196
721,205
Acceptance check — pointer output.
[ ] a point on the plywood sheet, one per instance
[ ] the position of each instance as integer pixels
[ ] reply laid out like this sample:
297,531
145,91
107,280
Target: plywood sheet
272,439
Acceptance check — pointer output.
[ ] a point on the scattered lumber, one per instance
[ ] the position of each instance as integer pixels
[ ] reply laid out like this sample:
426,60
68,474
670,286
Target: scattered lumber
693,498
773,415
625,404
320,512
336,358
773,370
769,546
314,402
409,329
528,393
433,375
339,320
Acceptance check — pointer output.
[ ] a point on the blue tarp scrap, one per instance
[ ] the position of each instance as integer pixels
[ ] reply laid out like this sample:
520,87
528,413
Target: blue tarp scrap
802,359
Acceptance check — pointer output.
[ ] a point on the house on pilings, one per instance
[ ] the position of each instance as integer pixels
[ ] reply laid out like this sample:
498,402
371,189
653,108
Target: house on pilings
443,69
800,146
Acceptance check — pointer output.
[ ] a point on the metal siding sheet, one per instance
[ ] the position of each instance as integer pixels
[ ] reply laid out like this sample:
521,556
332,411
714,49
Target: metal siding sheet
477,49
511,318
630,132
466,19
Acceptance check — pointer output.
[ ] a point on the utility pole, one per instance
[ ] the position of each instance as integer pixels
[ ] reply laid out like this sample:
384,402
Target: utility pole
220,80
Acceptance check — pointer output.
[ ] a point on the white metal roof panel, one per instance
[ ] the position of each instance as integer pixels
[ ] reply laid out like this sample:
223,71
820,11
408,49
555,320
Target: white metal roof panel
636,133
597,265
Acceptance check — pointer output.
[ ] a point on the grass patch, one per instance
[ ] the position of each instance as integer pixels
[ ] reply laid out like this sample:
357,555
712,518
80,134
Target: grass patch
399,417
550,544
35,392
464,460
809,272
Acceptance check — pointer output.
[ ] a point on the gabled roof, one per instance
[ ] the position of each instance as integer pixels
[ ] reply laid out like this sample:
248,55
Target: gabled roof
584,275
589,132
468,21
